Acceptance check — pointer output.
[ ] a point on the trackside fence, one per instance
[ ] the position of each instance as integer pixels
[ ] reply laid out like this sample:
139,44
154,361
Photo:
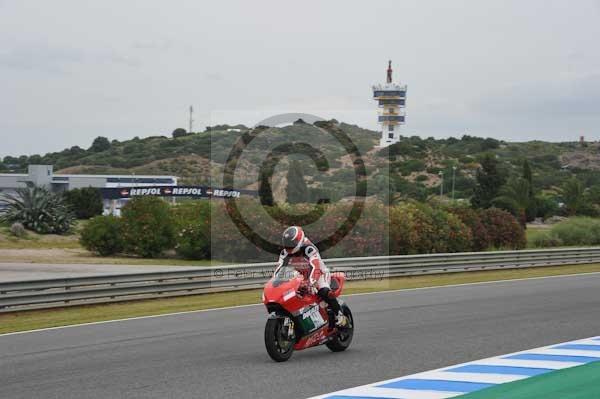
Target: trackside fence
41,294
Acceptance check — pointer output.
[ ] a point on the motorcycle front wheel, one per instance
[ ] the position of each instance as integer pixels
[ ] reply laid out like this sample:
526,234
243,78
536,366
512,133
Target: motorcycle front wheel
279,346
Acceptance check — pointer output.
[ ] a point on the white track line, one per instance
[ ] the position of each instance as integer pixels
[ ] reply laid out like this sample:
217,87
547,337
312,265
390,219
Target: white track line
472,377
401,290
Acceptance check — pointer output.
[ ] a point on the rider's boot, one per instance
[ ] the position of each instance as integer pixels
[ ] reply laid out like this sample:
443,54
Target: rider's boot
336,317
341,320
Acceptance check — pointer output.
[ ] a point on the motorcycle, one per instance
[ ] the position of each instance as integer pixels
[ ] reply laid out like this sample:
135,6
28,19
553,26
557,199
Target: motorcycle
298,319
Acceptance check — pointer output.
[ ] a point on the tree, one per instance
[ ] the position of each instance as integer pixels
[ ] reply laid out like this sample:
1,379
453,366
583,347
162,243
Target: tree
35,159
8,160
264,190
489,181
85,202
572,192
297,191
531,208
546,206
528,176
593,195
100,144
179,132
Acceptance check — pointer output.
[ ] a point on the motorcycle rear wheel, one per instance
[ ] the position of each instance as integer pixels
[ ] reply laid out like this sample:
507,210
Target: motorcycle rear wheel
343,338
278,347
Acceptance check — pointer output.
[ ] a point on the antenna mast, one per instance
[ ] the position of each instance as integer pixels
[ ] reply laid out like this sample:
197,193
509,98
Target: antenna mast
191,119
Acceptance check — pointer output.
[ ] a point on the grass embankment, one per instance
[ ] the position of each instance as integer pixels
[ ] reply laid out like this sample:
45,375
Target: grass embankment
35,319
65,249
33,240
80,256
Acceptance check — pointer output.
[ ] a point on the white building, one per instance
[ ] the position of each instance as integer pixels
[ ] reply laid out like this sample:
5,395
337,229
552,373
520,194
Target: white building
43,175
391,100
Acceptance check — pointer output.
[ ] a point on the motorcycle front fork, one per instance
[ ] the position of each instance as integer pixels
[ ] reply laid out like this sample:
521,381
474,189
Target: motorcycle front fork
331,317
288,328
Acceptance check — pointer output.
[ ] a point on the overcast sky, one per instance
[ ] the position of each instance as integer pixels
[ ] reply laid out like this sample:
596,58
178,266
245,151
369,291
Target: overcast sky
73,70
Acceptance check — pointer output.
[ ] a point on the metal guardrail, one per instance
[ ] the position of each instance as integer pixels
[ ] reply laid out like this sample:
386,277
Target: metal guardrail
41,294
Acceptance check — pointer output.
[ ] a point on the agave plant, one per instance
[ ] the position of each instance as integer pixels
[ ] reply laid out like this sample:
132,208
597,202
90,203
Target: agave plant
37,209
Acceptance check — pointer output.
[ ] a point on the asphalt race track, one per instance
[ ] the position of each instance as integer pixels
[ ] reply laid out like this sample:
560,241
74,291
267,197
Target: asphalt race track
220,354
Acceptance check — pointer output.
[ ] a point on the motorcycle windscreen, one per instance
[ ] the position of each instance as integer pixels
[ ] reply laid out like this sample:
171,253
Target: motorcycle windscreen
284,274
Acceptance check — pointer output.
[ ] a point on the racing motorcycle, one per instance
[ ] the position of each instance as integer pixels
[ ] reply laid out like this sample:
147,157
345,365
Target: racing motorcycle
298,319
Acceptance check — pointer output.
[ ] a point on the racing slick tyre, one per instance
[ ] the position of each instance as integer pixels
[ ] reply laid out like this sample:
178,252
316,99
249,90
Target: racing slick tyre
279,346
343,338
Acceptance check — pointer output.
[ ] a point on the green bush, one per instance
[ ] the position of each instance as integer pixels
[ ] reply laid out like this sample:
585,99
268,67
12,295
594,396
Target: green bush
577,231
472,219
419,228
37,209
102,235
504,230
147,227
85,202
450,234
409,166
546,240
192,223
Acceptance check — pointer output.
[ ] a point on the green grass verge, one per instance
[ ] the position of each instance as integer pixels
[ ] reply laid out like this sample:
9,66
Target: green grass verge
126,260
582,382
34,319
35,244
32,240
80,256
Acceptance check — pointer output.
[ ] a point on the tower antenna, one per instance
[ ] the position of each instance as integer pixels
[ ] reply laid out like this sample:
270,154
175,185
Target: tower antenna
391,101
191,119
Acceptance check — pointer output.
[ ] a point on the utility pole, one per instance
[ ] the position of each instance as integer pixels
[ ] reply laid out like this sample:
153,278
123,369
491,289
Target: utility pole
453,180
441,174
191,119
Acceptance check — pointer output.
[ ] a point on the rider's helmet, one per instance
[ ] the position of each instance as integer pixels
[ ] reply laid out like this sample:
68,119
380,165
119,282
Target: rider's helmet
292,239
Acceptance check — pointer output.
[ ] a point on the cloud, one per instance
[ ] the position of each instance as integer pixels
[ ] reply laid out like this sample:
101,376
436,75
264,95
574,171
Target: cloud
214,76
153,45
41,57
58,59
548,99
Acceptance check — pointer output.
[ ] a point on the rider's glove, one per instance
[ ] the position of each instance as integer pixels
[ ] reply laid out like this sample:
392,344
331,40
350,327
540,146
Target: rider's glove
302,290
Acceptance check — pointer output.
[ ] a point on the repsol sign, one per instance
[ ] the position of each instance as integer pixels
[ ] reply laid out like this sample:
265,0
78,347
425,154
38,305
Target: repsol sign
134,192
172,191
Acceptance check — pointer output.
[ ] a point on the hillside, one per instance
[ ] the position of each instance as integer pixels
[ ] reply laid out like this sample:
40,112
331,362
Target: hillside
414,164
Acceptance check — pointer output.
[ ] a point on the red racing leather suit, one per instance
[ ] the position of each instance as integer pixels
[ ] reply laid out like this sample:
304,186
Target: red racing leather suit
307,261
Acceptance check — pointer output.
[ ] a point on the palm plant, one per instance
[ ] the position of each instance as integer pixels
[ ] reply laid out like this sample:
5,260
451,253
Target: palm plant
38,209
514,194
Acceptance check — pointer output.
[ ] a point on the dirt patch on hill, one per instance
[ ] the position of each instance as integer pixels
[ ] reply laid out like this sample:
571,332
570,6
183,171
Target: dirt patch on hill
585,158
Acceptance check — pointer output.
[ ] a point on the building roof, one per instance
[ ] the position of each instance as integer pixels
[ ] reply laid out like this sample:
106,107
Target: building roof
96,176
118,176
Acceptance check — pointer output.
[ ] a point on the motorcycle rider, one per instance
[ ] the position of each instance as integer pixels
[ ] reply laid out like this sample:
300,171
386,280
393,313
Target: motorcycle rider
299,250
